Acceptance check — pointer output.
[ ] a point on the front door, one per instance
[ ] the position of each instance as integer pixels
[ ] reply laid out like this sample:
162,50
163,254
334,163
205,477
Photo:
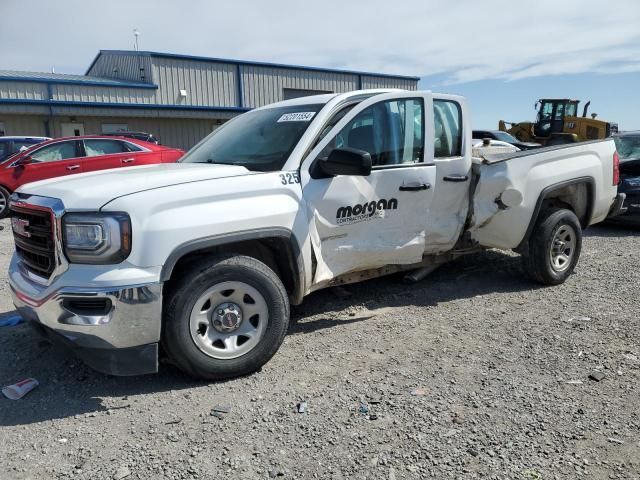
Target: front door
359,222
72,129
53,160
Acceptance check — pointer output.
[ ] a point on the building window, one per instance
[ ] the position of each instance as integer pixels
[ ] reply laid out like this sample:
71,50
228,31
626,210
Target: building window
114,127
290,93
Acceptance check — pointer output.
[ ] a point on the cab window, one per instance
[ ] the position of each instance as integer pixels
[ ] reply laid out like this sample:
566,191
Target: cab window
447,124
391,132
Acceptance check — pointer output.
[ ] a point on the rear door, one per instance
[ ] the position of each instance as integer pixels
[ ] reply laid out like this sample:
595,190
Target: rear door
105,153
357,222
52,160
451,150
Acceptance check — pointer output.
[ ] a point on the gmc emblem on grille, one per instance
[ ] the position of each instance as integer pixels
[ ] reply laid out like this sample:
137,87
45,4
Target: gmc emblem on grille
19,226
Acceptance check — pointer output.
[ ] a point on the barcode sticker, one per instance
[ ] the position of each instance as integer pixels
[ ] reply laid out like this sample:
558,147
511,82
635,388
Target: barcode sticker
297,117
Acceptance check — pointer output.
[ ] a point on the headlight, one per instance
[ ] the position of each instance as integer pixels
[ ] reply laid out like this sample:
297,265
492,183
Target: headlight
97,238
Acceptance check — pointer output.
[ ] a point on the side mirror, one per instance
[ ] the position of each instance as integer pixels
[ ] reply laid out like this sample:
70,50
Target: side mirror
25,160
346,161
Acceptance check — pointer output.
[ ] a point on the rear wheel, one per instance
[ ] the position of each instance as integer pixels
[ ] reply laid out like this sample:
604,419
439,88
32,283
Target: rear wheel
4,202
225,317
554,247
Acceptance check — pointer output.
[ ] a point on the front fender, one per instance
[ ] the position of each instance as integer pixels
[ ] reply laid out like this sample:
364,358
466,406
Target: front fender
168,220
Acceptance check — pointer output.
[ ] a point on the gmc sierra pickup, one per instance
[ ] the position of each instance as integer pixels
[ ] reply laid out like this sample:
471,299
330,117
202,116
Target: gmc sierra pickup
205,256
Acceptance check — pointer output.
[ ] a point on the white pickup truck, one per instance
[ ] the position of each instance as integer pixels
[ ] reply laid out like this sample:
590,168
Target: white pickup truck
205,256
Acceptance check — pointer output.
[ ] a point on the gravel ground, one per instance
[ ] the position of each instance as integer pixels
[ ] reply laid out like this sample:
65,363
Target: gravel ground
473,373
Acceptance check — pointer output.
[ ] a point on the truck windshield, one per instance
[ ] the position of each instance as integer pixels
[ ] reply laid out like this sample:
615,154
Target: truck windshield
260,140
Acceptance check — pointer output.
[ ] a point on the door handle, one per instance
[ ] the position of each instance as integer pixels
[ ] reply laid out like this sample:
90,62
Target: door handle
414,187
127,160
456,178
73,167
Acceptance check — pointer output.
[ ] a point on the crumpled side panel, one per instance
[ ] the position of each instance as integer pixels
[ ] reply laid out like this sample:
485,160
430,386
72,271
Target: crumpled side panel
342,253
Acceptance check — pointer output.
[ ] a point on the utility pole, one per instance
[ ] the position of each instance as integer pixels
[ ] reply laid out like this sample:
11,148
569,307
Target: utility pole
136,34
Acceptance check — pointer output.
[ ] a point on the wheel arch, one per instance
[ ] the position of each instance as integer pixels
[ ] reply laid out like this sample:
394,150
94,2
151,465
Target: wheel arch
278,248
577,195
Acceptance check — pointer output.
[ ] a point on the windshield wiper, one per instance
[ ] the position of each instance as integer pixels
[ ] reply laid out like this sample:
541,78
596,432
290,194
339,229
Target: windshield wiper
214,162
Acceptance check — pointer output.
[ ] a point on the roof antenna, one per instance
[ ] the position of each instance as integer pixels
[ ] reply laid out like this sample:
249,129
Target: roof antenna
136,34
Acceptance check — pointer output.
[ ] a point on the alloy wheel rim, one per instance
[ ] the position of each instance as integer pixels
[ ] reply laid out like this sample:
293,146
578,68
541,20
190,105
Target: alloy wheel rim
562,249
228,320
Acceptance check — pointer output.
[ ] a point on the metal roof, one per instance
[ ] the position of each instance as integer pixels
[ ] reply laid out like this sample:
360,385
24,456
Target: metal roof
242,62
40,77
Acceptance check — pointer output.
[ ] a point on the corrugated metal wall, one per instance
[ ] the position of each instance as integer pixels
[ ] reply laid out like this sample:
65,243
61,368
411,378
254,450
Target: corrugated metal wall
369,81
81,93
206,83
23,90
264,85
215,83
75,93
23,124
123,67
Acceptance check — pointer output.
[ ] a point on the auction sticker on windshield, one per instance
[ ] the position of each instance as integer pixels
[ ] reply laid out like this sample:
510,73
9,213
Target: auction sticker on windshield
297,117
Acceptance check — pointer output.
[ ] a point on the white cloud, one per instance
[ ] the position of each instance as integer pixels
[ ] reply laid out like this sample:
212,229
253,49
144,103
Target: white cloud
460,41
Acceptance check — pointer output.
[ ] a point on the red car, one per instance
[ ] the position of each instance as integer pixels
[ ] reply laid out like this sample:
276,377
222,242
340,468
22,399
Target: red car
66,156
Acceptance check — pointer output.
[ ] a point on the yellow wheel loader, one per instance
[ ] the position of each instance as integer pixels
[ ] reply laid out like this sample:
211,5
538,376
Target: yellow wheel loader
557,122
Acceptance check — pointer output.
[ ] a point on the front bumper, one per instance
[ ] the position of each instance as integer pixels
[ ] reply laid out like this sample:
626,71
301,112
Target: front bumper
115,330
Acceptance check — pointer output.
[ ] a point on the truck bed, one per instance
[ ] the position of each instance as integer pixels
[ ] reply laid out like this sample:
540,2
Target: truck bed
491,158
581,175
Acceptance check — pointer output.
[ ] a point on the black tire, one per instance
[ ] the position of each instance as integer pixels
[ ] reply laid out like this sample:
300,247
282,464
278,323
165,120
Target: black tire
185,291
4,202
537,257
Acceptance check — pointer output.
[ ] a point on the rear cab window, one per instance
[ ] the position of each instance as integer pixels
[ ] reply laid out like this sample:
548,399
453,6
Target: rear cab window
447,123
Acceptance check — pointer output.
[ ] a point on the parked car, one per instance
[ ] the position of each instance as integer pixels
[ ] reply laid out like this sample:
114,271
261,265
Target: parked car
66,156
628,146
497,145
504,137
144,136
205,256
12,145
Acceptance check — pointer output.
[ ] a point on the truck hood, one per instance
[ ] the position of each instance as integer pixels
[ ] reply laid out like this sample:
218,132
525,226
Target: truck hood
90,191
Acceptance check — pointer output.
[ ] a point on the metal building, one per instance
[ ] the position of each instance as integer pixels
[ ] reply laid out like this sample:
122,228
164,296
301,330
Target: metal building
178,98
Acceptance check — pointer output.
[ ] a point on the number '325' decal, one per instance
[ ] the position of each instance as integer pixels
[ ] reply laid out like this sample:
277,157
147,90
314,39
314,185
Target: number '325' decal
289,178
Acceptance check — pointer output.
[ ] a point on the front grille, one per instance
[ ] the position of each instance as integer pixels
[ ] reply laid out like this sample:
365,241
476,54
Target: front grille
34,239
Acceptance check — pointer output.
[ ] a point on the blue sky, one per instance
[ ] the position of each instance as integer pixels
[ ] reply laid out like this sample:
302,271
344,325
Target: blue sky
614,97
502,55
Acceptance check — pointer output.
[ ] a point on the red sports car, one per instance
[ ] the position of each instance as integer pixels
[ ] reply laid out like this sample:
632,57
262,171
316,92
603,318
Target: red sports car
66,156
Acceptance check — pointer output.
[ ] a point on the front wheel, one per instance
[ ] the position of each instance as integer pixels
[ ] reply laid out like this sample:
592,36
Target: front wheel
554,247
225,317
4,202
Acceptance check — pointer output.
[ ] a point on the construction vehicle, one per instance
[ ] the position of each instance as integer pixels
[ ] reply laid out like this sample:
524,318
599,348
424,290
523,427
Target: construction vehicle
557,122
